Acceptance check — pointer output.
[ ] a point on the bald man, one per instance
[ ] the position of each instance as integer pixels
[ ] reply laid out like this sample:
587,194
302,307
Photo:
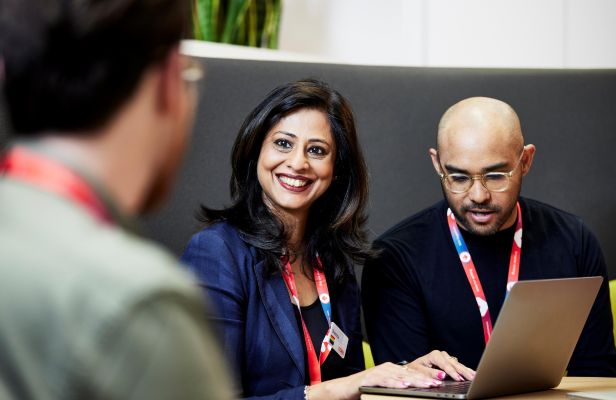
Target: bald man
416,294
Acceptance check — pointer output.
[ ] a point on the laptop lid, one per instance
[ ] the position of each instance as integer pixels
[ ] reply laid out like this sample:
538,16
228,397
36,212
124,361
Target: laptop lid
532,341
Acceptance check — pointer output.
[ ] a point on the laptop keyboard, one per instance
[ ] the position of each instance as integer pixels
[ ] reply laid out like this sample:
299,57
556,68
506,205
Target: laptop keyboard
448,387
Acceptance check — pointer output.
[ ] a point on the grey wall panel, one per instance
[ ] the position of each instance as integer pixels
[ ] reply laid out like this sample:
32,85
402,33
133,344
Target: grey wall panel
570,115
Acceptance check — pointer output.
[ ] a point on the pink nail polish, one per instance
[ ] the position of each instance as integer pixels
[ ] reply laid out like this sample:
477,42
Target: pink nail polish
441,375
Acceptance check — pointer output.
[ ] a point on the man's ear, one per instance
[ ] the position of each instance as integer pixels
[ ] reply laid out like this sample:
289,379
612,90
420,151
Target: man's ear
527,159
435,163
170,82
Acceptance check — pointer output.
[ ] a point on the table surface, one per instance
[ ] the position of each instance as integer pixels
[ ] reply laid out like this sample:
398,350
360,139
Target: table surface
568,384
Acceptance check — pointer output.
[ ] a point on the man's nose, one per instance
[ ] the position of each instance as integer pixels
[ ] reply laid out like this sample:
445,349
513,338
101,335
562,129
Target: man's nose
478,193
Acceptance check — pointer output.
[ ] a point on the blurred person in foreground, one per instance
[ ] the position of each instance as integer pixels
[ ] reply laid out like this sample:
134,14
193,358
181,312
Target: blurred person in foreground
416,293
278,263
101,113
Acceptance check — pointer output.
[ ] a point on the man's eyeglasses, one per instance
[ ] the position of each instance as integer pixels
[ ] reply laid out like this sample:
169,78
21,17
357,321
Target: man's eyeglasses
492,181
192,71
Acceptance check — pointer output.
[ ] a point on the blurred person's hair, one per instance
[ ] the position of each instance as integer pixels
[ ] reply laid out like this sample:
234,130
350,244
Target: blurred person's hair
69,65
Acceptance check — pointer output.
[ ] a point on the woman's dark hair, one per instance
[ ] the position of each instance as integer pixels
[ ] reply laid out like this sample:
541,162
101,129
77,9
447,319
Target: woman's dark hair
335,227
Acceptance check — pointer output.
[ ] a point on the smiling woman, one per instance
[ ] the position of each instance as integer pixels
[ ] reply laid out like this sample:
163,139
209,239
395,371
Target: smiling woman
284,160
278,263
296,165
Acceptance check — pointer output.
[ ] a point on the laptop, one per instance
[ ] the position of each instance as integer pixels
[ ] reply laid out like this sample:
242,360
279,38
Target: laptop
531,344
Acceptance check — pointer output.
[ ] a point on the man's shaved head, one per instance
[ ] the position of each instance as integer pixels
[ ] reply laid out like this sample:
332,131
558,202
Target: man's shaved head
483,114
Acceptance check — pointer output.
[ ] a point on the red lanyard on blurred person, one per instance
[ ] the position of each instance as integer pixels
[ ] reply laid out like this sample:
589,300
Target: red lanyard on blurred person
33,168
471,272
314,366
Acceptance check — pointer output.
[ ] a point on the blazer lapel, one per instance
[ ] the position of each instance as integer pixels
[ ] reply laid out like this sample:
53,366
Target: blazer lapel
280,312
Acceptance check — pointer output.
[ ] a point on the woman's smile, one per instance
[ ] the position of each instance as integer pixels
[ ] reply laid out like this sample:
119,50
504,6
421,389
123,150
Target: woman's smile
294,183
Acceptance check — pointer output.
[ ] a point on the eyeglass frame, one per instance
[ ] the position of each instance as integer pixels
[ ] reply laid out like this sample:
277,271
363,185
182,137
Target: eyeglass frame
481,177
193,71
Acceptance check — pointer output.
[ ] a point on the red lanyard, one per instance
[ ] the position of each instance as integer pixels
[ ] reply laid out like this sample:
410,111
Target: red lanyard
28,166
314,366
471,274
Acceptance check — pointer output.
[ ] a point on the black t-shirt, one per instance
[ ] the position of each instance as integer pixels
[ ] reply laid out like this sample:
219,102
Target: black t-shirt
417,298
315,320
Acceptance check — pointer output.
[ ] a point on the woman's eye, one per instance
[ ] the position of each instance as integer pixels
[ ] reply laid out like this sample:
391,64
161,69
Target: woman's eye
282,143
317,151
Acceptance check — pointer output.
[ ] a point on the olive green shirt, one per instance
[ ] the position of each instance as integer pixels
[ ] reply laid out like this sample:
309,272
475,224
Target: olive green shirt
90,310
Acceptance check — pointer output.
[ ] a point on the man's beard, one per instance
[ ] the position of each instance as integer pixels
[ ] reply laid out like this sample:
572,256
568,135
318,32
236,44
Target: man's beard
477,230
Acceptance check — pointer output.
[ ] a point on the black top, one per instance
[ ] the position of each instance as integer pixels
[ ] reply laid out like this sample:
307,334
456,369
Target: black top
315,320
417,298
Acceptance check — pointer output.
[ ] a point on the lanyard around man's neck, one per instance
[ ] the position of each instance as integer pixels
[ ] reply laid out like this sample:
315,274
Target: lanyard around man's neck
28,166
471,271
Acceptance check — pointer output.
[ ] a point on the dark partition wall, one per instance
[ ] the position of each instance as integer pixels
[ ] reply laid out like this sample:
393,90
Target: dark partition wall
570,115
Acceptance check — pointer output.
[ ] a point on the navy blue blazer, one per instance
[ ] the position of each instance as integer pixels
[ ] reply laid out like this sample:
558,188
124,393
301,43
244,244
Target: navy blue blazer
260,333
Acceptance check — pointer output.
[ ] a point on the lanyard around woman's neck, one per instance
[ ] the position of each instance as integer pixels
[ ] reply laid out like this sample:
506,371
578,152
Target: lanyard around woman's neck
35,169
471,271
314,366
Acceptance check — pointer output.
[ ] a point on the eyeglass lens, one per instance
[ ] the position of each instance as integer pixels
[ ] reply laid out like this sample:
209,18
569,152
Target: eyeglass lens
493,181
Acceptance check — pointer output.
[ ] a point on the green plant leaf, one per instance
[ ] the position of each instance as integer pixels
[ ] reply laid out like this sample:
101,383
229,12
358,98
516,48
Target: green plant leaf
236,12
244,22
252,25
199,19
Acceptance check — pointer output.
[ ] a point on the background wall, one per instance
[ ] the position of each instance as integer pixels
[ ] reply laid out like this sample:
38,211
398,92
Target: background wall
568,114
572,121
468,33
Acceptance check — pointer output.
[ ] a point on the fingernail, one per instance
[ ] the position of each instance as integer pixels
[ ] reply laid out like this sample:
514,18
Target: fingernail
460,377
437,383
405,383
441,375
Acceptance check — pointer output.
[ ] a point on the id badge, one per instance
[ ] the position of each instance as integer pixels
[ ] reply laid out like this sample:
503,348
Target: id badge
338,340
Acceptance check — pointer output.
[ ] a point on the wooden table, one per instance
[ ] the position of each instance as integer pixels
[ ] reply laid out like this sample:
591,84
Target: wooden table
568,384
